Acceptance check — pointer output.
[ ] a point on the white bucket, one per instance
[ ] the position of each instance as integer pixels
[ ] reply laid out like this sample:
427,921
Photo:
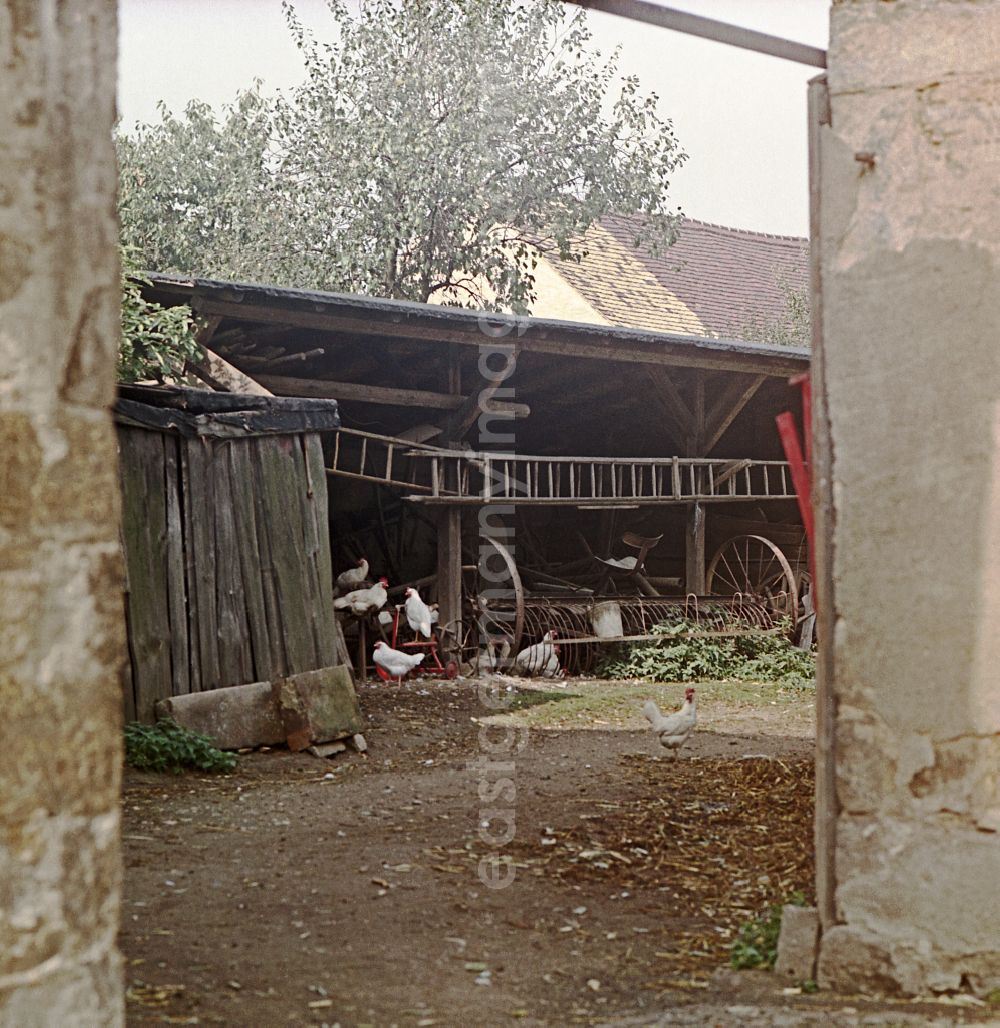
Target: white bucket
606,618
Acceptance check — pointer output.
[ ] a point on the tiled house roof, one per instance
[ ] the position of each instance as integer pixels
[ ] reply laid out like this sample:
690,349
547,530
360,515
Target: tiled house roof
713,281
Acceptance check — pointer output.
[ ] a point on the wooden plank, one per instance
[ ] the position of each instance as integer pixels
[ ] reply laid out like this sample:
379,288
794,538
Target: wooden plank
220,374
694,550
144,533
250,556
671,400
128,680
317,544
235,657
281,484
728,473
726,409
180,671
597,342
696,445
449,576
201,494
189,511
387,396
257,460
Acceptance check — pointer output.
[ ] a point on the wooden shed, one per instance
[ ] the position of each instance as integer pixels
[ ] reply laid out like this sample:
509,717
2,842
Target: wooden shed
576,439
226,537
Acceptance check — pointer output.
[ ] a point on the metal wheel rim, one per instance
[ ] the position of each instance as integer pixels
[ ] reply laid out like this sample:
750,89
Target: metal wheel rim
730,573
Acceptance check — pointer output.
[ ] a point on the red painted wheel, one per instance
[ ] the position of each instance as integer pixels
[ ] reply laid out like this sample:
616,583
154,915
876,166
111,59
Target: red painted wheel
451,670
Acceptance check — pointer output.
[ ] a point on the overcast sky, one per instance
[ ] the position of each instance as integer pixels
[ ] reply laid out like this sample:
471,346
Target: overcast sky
740,116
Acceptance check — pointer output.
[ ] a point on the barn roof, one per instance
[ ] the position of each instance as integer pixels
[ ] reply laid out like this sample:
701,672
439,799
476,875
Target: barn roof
399,367
399,319
714,281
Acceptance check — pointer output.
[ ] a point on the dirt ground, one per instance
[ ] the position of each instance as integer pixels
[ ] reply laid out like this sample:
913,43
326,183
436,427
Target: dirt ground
348,892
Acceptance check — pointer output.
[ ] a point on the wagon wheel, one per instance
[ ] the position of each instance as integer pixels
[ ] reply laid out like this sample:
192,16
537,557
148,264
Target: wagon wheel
479,606
753,566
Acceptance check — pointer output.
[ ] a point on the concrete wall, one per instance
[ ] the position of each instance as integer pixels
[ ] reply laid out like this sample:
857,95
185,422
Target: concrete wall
61,634
910,235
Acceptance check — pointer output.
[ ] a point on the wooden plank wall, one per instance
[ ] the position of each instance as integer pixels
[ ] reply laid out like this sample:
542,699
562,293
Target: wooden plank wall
227,552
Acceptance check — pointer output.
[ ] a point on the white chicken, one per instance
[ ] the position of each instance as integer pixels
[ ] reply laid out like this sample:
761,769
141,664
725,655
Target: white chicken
418,615
352,577
362,602
540,659
674,729
395,662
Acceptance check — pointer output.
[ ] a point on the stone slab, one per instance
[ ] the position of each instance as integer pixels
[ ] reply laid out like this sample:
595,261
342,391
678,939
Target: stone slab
797,943
233,718
317,706
327,749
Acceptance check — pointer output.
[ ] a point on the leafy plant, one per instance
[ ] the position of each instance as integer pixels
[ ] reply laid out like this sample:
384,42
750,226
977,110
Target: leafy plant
690,658
166,746
794,328
434,149
156,342
756,945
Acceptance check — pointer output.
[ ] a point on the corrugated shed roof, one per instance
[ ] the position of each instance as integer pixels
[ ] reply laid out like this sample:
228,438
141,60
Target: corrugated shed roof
713,281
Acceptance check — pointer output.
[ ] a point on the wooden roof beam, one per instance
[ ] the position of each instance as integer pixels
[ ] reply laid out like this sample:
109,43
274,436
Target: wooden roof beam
599,342
727,407
357,392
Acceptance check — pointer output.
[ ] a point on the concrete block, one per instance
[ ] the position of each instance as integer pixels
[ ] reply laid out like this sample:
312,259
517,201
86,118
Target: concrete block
797,943
851,960
233,718
317,706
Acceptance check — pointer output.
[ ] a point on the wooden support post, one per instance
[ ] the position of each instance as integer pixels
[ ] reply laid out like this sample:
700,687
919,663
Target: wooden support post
694,539
449,579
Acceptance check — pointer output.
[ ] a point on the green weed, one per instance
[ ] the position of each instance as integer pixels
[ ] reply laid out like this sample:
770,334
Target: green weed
692,658
166,746
756,945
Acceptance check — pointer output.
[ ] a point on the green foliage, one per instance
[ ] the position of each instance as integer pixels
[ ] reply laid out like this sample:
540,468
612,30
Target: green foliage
195,192
756,945
752,658
434,149
156,341
793,329
166,746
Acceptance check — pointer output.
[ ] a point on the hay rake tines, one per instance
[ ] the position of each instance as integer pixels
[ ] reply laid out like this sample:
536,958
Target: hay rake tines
581,648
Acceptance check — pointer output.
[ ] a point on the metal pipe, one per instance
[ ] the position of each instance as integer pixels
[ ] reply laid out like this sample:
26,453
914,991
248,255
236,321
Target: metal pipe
708,28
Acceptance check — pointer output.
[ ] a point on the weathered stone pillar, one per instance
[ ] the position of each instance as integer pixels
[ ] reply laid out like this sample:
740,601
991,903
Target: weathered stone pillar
61,632
910,277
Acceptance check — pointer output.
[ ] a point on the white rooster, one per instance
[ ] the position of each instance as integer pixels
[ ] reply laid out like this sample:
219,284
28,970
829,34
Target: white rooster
395,662
540,659
362,602
419,616
352,577
674,729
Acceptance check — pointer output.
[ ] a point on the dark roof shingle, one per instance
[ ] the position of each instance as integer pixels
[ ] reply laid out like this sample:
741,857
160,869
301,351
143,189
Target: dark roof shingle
727,278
